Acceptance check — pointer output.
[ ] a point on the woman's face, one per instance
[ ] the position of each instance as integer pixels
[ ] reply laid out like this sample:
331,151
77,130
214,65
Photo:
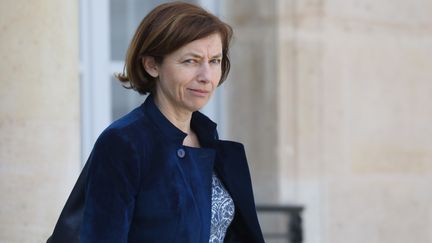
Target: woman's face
189,76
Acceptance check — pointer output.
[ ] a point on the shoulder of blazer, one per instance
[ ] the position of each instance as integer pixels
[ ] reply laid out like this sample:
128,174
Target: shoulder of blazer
129,129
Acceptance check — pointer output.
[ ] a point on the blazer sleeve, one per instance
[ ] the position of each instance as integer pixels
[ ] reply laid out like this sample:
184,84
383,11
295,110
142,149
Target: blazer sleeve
111,187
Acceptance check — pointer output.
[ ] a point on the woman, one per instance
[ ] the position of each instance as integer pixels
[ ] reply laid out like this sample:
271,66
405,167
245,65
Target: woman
160,173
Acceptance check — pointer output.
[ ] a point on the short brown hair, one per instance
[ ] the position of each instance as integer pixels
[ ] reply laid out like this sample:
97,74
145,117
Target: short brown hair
164,30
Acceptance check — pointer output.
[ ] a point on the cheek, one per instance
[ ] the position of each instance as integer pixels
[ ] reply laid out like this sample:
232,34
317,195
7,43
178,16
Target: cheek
217,76
173,79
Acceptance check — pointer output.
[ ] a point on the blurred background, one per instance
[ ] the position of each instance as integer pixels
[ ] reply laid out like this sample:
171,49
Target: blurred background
332,98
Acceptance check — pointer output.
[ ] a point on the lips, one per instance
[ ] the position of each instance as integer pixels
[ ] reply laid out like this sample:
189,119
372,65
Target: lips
199,92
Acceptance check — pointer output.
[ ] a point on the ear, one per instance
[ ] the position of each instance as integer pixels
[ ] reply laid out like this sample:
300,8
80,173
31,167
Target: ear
150,66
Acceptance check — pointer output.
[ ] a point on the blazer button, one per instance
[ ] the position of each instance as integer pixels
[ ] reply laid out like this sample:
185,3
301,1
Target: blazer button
181,153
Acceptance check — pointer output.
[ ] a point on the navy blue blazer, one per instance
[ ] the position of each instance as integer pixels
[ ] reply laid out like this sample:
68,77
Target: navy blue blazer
141,184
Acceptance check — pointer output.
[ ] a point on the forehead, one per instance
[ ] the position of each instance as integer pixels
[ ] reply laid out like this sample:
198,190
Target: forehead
210,45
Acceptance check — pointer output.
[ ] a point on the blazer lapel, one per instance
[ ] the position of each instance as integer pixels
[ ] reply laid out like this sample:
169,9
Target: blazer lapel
231,166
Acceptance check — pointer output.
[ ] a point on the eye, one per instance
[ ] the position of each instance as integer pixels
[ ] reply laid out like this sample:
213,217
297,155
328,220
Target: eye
216,61
190,61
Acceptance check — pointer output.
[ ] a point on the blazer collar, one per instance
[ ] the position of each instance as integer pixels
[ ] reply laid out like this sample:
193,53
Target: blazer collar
201,124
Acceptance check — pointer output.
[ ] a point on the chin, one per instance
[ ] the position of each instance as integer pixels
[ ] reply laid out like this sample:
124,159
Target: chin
197,106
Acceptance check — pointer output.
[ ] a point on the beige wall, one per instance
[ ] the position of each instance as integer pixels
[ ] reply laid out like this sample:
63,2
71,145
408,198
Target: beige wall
346,114
39,115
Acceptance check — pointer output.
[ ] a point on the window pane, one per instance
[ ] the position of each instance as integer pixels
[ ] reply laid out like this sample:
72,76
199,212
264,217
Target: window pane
123,100
125,18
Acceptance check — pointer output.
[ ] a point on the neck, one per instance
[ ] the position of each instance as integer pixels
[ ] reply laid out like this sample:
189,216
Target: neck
180,118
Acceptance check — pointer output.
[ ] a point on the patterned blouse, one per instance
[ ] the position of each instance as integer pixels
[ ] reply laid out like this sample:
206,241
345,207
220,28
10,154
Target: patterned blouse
222,211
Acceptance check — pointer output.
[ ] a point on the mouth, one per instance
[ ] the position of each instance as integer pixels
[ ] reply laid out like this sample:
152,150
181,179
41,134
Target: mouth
199,92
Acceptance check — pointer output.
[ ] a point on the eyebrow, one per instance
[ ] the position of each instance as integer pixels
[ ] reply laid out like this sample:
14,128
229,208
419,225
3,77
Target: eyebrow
196,55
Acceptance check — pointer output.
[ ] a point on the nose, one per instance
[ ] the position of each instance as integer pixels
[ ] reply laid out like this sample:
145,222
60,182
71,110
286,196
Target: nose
204,73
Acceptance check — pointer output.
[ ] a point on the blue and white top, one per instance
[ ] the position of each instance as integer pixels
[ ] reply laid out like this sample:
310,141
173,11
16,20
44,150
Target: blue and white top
222,211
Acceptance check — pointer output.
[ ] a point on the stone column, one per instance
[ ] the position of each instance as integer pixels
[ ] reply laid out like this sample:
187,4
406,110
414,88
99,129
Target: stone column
362,140
333,101
249,93
39,115
376,106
